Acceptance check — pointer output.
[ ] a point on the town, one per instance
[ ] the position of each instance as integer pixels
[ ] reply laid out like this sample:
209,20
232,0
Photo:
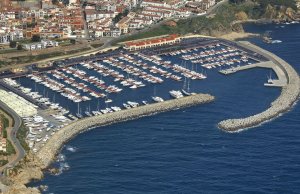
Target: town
47,22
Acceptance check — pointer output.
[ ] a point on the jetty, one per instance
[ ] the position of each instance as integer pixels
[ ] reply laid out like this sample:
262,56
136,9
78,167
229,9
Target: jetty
280,82
288,79
48,152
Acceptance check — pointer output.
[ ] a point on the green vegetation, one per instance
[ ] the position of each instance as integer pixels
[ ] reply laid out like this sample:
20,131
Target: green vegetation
5,124
120,16
21,136
36,38
10,148
3,162
222,21
12,44
31,58
97,45
6,51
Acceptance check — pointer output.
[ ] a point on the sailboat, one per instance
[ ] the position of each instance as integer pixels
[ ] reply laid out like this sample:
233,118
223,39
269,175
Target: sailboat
186,91
88,111
107,100
156,98
270,81
78,114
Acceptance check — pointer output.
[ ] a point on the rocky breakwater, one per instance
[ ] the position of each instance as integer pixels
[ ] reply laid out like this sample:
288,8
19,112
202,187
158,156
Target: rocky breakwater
48,152
288,97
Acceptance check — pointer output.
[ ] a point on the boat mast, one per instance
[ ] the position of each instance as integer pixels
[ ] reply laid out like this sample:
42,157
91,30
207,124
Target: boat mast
184,83
78,112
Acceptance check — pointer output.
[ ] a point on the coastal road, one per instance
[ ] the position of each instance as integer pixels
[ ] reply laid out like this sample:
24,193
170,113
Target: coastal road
20,152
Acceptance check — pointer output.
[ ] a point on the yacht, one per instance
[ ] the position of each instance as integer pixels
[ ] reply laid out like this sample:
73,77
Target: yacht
176,94
126,106
157,99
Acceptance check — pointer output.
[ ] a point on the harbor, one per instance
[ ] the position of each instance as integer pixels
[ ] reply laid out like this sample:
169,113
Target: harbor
48,152
289,94
122,81
109,82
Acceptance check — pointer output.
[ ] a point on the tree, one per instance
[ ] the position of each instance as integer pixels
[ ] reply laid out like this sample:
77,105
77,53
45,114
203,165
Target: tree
36,38
12,44
72,41
19,47
54,2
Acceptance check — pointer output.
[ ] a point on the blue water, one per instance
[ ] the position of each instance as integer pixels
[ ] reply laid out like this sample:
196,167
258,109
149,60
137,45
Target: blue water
184,152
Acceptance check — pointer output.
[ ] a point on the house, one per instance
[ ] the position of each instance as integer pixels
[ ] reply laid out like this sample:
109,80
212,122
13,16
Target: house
40,45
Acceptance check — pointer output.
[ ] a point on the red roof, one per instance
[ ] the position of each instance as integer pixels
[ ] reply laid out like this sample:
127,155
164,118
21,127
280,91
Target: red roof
152,41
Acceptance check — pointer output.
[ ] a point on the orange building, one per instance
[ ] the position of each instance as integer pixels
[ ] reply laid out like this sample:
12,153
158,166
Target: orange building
152,42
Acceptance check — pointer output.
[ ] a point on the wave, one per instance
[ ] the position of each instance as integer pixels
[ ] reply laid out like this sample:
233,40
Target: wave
61,158
276,41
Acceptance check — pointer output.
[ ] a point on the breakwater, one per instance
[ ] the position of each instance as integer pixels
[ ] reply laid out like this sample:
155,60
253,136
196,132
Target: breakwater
288,97
47,153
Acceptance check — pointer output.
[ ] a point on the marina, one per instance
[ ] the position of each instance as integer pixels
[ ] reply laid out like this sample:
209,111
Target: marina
108,83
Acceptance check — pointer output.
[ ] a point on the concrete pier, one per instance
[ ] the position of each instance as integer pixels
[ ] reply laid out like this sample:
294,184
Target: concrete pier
47,153
280,82
289,94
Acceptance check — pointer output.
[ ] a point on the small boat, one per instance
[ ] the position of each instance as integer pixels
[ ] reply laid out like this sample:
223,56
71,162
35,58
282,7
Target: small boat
144,102
126,106
108,100
176,94
157,99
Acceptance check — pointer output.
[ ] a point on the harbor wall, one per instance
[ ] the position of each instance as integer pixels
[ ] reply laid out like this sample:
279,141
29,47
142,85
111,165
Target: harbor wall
288,97
47,153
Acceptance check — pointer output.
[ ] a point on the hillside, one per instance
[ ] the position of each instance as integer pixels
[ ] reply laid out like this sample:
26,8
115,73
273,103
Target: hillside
227,18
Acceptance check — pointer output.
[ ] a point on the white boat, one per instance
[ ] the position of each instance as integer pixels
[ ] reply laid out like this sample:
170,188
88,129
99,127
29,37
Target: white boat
126,106
157,99
133,104
108,100
176,94
144,102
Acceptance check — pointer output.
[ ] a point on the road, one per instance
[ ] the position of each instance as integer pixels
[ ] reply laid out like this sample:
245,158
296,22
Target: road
20,152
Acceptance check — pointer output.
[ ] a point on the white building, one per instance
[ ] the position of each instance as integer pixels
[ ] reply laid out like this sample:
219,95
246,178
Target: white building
5,37
40,45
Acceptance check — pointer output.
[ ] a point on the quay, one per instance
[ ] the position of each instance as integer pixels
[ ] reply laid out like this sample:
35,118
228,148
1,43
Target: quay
280,82
288,97
48,152
28,98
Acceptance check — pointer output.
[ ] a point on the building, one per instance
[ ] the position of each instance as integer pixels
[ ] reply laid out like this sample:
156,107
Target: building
6,37
152,42
40,45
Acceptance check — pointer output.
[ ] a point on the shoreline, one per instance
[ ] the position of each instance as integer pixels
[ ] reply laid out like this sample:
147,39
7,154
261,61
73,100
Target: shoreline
43,158
38,162
287,99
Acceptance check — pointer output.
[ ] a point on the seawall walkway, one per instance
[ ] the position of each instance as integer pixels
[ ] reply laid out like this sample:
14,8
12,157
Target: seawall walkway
289,94
47,153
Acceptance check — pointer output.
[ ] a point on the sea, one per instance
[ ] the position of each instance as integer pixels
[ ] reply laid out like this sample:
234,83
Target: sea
184,152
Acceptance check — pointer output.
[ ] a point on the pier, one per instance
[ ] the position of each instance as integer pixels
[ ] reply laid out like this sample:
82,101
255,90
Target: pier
47,153
289,94
280,82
